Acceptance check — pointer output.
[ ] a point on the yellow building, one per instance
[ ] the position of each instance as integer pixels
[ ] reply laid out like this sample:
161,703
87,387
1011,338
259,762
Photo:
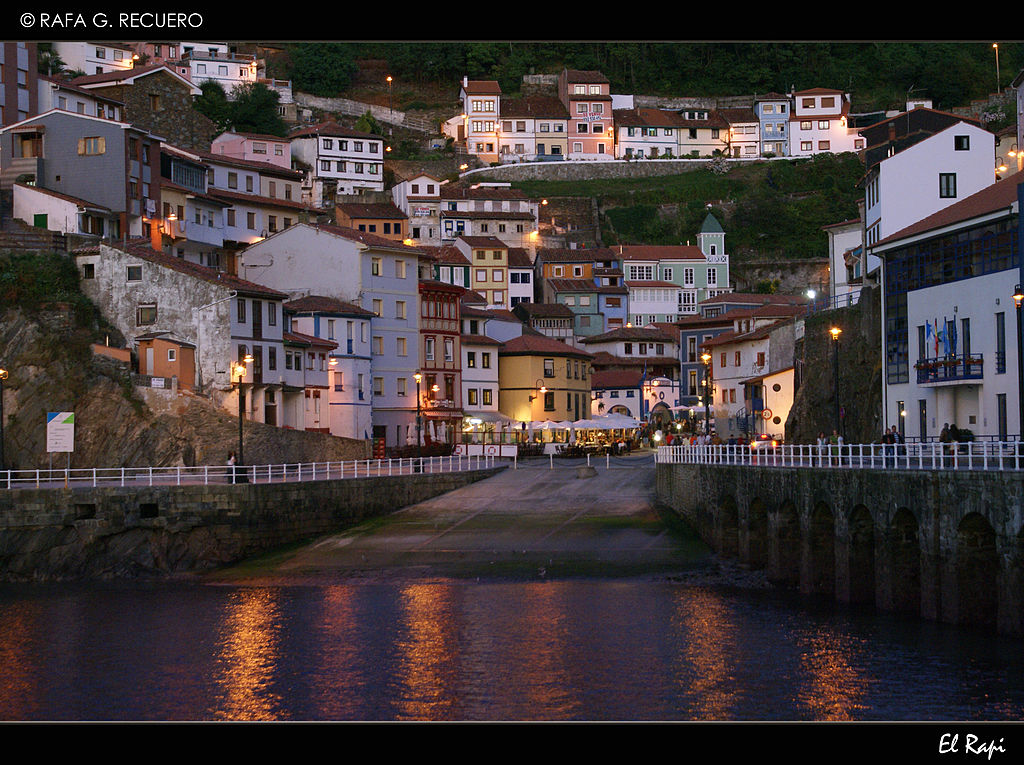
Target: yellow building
540,378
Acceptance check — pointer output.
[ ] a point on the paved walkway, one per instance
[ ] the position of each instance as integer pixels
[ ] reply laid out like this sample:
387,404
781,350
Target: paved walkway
534,522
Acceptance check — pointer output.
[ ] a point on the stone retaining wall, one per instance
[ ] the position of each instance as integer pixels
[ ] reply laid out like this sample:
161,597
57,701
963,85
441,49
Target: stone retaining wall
53,534
944,545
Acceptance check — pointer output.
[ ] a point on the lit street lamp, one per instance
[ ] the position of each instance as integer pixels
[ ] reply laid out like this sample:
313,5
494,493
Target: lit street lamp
240,370
708,390
835,332
419,419
3,376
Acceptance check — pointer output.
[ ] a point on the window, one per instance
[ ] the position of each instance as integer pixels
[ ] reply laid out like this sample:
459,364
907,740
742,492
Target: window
378,306
92,145
378,345
272,358
145,314
485,359
449,349
549,401
947,185
399,309
399,265
378,386
471,397
272,314
135,273
486,396
736,359
400,346
241,310
549,367
88,270
428,348
401,386
822,124
471,359
375,266
961,143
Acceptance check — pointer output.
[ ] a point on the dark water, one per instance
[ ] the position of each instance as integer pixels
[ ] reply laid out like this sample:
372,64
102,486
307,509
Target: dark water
638,649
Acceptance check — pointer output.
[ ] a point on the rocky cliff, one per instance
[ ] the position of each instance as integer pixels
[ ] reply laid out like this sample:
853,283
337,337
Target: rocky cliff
52,368
860,374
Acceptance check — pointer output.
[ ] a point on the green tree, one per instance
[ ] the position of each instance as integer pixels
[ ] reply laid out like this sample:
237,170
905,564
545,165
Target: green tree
368,124
213,102
322,68
254,110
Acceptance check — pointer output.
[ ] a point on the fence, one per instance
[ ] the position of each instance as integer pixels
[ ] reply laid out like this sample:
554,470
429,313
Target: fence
225,474
979,455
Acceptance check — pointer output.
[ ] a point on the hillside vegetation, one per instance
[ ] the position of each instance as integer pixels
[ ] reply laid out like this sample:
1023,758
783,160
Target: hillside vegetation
768,209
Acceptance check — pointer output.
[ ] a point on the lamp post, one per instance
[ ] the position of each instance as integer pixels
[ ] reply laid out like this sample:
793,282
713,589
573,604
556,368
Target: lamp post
541,390
995,47
390,110
240,370
1018,297
3,376
835,332
419,420
706,357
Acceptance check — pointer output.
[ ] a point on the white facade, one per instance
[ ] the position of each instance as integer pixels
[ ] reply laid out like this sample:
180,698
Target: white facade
419,198
926,177
479,377
985,405
346,162
819,124
93,58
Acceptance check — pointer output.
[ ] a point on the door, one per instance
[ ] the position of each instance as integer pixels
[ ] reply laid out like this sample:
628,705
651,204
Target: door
149,360
257,365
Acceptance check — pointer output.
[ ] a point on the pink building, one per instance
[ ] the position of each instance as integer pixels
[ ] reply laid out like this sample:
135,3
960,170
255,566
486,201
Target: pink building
587,97
254,147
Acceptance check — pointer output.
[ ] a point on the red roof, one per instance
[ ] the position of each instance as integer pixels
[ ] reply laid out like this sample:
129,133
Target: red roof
540,344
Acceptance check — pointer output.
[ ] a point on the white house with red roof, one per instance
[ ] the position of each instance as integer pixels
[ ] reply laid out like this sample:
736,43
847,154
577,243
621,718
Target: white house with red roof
481,107
337,160
950,350
819,122
419,198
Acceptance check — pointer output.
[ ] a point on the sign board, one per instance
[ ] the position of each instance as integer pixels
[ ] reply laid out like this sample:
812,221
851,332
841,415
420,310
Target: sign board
60,431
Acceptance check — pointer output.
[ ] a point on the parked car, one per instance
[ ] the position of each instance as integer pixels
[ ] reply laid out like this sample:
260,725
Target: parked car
765,443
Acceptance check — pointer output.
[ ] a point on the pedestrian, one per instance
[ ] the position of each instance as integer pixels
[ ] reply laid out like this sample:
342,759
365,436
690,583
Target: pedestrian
822,443
945,438
231,466
836,443
888,446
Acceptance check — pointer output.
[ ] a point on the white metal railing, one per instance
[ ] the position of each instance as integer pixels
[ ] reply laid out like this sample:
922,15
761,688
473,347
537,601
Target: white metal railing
977,455
225,474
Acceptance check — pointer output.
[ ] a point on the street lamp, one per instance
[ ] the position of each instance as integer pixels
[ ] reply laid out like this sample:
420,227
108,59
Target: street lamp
835,332
706,358
995,47
541,389
390,110
419,420
239,370
3,376
1018,297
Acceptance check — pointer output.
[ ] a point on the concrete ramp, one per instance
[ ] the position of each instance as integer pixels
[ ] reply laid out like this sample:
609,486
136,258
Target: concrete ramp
527,522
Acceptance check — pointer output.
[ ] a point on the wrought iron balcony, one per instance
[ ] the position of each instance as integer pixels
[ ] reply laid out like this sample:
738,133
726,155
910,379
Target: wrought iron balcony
964,367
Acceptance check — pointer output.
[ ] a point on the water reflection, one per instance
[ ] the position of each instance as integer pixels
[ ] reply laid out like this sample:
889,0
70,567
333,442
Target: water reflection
428,653
833,687
247,657
20,649
708,648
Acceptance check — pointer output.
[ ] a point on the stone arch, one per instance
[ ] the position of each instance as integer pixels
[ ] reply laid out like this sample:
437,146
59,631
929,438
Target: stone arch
977,571
821,539
904,558
757,533
729,528
784,545
862,555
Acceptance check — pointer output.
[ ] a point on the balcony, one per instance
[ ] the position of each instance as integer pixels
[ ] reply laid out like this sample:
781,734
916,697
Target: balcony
954,368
